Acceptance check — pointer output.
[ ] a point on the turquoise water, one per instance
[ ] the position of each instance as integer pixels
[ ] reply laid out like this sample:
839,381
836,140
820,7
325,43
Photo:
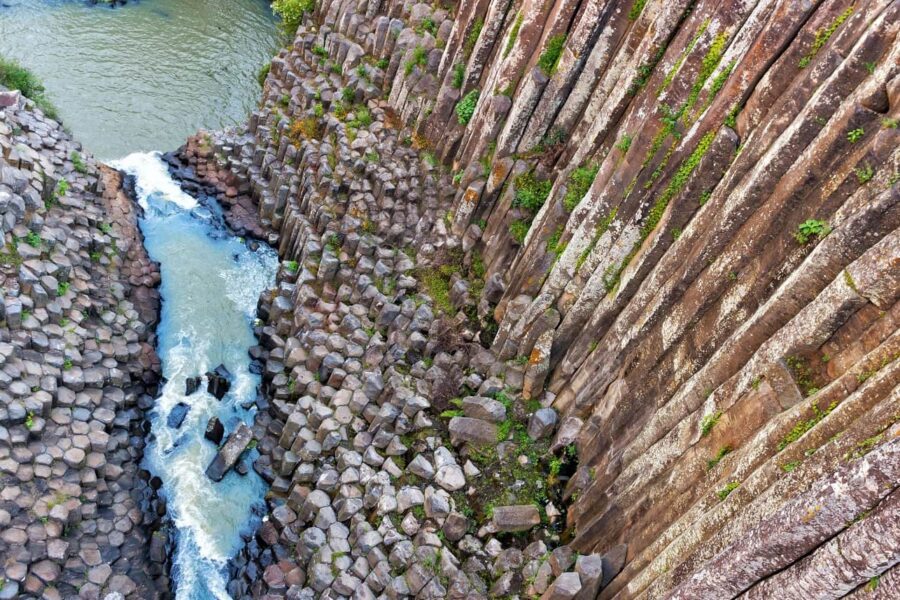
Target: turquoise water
146,75
142,78
210,285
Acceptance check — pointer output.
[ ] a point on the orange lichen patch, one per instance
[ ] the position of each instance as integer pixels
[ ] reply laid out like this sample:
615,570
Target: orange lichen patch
535,357
303,129
498,172
419,142
470,196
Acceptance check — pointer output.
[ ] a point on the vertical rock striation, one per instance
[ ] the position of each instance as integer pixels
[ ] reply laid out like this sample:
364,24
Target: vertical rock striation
674,225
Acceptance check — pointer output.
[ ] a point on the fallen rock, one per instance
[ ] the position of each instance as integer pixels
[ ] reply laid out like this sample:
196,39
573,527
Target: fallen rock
228,455
218,382
478,407
542,423
516,518
215,431
475,431
191,385
177,415
565,587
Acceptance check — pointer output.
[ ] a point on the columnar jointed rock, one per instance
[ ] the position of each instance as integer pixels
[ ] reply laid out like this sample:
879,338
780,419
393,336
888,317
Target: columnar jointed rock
709,331
77,310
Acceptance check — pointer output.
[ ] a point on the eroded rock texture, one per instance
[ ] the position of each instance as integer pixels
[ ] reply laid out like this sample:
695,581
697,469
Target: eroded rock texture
678,227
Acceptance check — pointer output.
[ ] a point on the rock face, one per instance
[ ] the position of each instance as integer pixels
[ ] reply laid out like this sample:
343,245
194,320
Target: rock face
229,453
77,371
654,295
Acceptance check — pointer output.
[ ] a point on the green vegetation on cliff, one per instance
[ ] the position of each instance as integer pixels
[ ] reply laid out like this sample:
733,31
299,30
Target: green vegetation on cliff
16,77
291,13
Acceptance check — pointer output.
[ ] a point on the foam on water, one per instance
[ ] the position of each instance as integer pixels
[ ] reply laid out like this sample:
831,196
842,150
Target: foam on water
153,180
210,285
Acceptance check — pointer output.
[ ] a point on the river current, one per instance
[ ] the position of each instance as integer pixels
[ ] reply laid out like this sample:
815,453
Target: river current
130,82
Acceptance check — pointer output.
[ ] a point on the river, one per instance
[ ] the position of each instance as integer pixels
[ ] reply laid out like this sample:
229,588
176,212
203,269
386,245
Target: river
143,76
130,82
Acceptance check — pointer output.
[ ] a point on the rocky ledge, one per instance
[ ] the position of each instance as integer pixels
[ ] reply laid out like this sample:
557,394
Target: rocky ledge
77,366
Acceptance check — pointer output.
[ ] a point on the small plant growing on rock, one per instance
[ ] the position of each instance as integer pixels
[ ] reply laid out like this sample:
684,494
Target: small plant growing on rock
854,135
578,185
29,420
725,491
531,192
291,12
513,34
361,117
419,59
465,108
459,75
864,173
550,56
472,38
78,162
33,239
383,63
624,144
67,364
427,25
708,422
722,453
291,266
62,288
810,229
518,229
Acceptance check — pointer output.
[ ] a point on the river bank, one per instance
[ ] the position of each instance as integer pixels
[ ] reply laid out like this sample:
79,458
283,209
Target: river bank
78,370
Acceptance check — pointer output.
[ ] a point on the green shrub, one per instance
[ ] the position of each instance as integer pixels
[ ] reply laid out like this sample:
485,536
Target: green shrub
519,229
16,77
636,9
78,162
551,54
624,144
459,75
263,74
579,183
472,38
513,35
348,95
809,229
362,117
531,192
465,108
291,12
428,25
854,135
419,59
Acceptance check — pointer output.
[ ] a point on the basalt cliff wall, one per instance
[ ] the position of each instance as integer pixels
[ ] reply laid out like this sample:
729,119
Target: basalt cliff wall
675,224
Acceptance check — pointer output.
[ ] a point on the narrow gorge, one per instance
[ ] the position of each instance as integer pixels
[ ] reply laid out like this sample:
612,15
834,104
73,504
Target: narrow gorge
569,300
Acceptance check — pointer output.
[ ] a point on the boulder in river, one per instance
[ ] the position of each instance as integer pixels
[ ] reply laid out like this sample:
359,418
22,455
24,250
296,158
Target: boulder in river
219,381
229,454
215,431
177,415
191,385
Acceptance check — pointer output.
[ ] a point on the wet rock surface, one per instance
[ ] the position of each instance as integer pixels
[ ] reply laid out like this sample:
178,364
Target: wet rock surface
77,370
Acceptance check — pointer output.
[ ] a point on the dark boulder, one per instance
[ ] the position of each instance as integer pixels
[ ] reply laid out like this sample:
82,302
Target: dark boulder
191,385
219,382
177,415
229,453
215,431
